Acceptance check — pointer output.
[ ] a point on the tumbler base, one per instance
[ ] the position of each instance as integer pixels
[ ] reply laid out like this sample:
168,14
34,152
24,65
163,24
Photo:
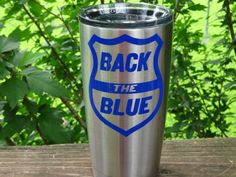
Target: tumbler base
99,174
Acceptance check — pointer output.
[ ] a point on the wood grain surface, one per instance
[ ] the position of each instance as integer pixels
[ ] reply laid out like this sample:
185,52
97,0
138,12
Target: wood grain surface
183,158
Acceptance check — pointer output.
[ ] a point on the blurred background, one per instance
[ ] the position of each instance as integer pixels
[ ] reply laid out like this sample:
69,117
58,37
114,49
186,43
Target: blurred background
41,98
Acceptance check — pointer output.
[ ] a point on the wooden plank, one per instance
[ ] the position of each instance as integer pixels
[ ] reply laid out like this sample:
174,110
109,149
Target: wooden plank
180,158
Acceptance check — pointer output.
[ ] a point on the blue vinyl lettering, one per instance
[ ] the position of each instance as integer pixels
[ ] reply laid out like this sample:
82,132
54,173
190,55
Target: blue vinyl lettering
106,105
119,63
105,61
130,65
143,61
132,107
117,111
144,105
114,96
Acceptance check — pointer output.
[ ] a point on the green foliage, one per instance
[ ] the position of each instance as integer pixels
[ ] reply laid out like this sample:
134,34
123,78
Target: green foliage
14,90
26,58
6,44
50,124
26,92
41,100
40,82
199,100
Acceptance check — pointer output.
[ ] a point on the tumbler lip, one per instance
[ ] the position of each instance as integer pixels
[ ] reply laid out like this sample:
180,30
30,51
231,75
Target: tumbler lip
125,15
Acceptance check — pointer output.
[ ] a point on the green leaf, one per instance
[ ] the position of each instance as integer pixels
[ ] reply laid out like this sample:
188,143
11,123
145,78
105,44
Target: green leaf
197,7
7,44
2,2
12,11
28,70
14,90
9,113
23,1
231,72
50,124
19,34
26,58
3,72
50,0
230,86
40,82
189,132
2,104
16,126
35,8
31,106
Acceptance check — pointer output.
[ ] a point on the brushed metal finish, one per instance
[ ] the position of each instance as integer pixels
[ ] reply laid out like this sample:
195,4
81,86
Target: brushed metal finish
114,155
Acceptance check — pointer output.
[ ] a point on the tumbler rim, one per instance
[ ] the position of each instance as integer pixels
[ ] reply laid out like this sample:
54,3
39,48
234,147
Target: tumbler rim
125,15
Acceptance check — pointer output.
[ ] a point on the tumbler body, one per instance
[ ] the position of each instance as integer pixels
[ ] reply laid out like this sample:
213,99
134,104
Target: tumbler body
126,66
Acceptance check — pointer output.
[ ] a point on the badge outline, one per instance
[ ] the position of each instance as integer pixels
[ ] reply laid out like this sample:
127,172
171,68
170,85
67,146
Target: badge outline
116,41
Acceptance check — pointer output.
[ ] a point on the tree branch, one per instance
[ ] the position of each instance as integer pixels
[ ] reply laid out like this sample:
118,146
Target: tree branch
60,18
9,142
54,52
206,34
230,24
67,27
74,112
41,135
206,111
25,100
8,139
177,9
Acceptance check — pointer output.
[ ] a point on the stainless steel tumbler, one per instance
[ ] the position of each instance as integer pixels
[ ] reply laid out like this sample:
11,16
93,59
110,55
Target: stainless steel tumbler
126,55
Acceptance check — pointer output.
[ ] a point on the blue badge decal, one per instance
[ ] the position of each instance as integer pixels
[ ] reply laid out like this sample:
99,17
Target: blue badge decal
125,87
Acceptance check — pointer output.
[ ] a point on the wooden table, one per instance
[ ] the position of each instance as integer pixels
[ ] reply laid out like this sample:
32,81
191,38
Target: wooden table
184,158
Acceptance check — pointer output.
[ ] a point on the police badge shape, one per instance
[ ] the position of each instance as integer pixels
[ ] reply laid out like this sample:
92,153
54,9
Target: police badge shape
125,87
